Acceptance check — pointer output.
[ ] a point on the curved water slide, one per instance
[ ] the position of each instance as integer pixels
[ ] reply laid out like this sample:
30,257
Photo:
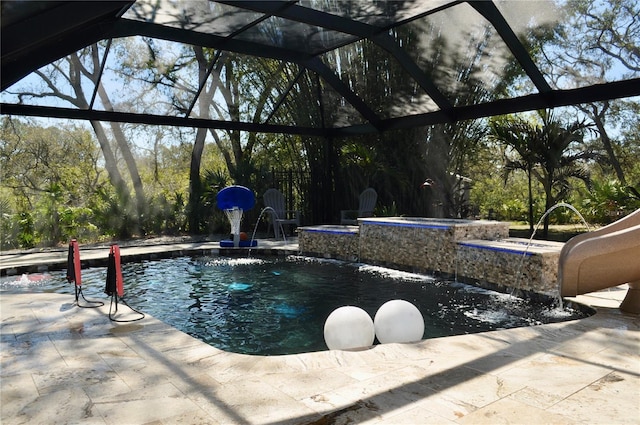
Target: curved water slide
604,258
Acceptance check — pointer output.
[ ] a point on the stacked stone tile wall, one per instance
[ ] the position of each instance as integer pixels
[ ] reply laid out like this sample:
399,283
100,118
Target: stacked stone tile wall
339,242
421,244
511,263
475,251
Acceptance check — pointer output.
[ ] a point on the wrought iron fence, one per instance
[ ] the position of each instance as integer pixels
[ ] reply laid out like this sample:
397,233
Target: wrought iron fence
295,186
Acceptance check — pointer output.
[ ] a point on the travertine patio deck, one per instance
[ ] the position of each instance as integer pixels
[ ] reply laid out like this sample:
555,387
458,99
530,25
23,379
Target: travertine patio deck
63,364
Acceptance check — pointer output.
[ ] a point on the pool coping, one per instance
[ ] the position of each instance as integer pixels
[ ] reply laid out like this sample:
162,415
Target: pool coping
96,256
74,364
517,246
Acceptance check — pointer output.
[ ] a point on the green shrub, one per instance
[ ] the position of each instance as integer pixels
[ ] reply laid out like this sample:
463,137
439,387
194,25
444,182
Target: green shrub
609,200
25,237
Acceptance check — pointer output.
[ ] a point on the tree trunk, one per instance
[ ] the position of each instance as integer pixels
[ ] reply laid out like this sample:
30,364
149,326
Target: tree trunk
76,69
598,119
548,203
530,201
132,167
111,164
195,183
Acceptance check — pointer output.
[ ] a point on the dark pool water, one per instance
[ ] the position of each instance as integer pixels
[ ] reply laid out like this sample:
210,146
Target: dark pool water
270,307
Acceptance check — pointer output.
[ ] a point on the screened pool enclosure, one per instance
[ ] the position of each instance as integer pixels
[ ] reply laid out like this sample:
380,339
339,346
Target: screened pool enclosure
363,66
399,83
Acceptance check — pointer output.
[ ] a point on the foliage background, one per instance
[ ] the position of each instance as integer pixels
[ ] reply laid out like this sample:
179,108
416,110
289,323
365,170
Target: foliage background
97,181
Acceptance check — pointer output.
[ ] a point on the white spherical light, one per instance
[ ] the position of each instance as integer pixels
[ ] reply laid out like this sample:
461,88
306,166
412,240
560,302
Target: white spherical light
398,321
348,327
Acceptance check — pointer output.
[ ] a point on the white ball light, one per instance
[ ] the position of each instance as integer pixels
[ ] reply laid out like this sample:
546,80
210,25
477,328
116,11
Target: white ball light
398,321
348,327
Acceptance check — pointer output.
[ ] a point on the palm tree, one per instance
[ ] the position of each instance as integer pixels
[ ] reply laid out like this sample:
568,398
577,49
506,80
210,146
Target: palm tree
514,132
548,150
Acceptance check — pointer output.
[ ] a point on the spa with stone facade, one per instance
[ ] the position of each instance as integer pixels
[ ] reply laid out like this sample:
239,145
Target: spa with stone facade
473,251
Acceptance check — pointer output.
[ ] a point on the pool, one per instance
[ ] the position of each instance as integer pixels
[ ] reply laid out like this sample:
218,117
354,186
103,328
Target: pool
268,306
